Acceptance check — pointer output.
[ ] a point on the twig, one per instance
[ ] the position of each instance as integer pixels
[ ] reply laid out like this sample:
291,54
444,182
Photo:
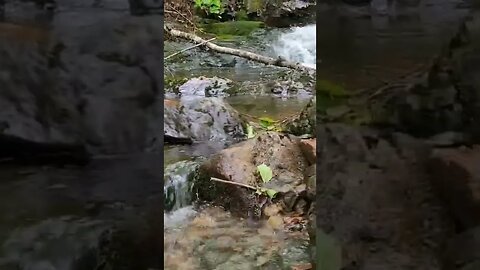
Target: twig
189,48
241,53
175,11
233,183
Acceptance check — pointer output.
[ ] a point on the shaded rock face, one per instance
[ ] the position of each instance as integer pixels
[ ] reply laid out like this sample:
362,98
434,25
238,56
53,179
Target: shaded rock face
93,82
447,97
456,175
304,123
202,119
462,251
239,164
376,199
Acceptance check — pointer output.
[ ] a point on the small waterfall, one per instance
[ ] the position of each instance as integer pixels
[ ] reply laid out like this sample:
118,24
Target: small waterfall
178,184
298,45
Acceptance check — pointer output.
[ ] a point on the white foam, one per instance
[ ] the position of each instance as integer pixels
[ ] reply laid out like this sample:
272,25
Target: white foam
298,45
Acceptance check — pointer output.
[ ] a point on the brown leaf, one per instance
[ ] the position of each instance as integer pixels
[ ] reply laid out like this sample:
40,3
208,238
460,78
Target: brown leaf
305,266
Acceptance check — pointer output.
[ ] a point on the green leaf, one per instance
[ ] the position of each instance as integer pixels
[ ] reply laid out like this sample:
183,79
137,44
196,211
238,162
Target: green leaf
266,122
265,172
271,193
250,132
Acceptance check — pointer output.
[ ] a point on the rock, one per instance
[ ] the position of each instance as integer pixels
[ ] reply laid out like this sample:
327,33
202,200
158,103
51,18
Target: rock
175,125
201,119
143,7
96,88
304,123
57,243
309,150
444,98
239,164
378,204
205,87
462,251
456,175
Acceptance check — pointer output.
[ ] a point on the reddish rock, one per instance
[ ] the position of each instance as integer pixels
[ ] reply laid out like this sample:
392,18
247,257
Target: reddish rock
309,150
456,175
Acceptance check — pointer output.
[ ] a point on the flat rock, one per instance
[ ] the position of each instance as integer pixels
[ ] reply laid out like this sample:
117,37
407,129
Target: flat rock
456,175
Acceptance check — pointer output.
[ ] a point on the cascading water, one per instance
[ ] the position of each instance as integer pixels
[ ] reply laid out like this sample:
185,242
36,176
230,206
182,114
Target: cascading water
298,45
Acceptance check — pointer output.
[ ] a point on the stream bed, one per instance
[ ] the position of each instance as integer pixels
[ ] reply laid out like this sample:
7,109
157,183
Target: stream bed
56,217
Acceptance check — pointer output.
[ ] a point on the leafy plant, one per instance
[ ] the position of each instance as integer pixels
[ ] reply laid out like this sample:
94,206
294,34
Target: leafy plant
267,123
209,6
266,174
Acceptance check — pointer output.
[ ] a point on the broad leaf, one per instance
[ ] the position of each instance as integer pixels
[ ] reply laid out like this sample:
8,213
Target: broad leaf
271,193
265,172
266,122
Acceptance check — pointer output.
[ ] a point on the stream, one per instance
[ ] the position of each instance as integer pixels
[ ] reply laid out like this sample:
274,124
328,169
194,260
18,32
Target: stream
62,217
209,237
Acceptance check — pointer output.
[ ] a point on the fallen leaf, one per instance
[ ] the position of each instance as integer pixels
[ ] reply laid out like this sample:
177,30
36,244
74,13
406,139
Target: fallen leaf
305,266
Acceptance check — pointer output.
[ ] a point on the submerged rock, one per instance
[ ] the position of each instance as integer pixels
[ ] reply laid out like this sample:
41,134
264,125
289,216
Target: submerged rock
205,87
304,123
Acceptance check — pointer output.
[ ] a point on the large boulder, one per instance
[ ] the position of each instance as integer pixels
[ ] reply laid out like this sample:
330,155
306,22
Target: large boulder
201,119
444,98
456,175
281,152
96,86
374,197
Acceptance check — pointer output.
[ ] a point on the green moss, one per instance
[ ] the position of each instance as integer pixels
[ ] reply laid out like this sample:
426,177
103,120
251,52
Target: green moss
233,28
173,82
331,89
241,15
254,6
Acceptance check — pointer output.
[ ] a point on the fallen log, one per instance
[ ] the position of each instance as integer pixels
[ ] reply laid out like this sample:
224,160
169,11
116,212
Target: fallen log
280,62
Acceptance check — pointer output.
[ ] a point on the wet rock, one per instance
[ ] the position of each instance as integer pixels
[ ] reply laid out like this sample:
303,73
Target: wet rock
378,204
304,123
444,98
178,179
309,150
462,252
205,87
287,13
239,164
202,119
456,175
95,88
63,243
175,126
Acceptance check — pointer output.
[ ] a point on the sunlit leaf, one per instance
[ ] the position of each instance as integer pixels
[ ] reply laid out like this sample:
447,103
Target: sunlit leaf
271,193
265,172
266,122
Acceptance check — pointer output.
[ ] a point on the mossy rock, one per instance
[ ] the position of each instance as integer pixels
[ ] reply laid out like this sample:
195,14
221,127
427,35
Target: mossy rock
233,28
173,82
331,89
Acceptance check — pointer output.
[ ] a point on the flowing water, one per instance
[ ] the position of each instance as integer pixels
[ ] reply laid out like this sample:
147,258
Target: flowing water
210,238
49,216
